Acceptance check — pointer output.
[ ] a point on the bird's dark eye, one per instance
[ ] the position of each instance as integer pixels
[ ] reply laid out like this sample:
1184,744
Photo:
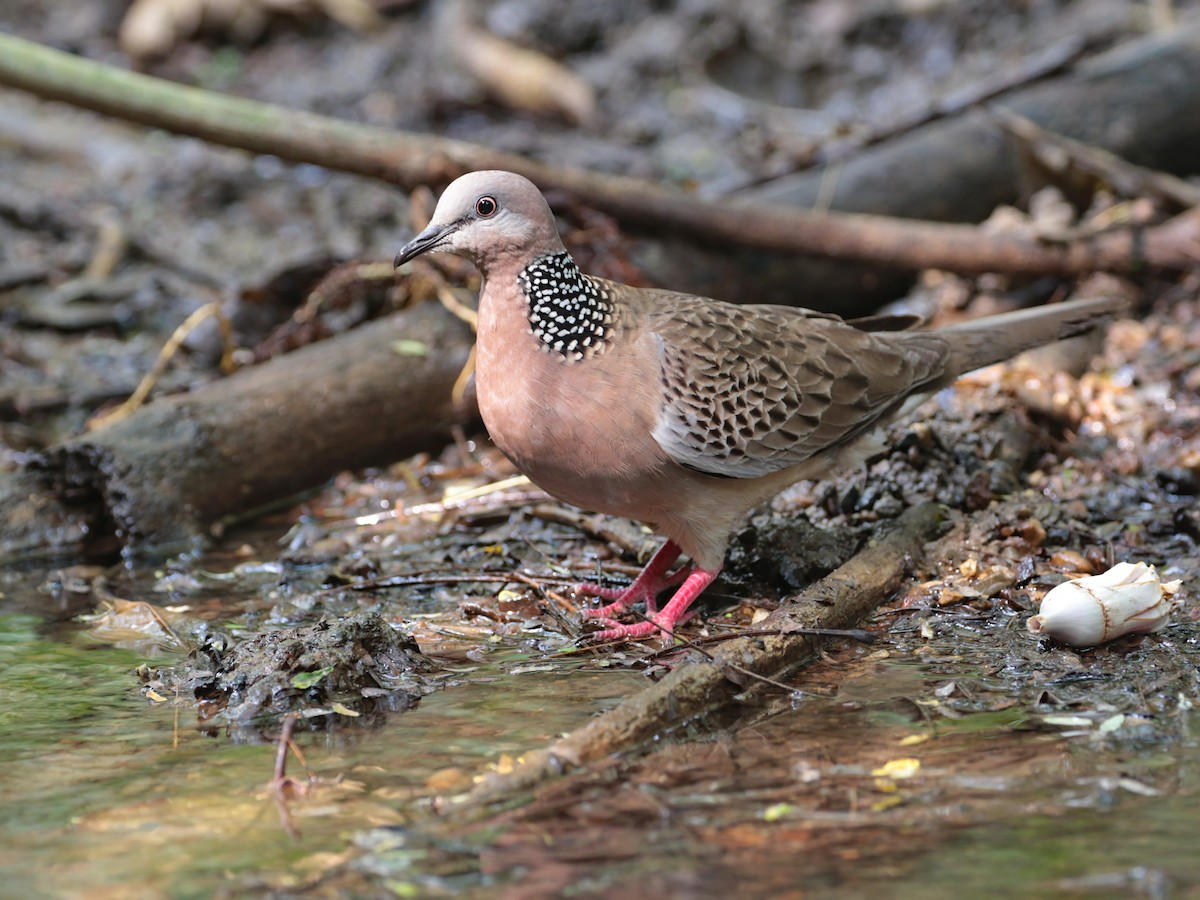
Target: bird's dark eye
486,207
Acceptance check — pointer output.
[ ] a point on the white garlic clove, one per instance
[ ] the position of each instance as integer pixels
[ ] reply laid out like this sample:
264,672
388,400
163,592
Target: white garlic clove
1127,599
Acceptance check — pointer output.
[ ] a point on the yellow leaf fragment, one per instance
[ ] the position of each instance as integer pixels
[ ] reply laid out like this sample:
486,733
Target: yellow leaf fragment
778,811
504,765
523,79
904,767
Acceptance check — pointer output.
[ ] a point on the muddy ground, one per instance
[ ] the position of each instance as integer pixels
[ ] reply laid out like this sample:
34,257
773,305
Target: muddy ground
111,235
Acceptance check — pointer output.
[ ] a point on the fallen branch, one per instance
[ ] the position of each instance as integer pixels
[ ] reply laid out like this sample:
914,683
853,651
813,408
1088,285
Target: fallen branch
1125,101
410,160
169,471
1031,69
837,601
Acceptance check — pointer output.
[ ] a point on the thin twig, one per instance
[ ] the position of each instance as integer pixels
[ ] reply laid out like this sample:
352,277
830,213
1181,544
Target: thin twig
549,608
282,787
723,663
1036,66
854,634
449,299
165,355
1125,178
595,525
423,580
455,501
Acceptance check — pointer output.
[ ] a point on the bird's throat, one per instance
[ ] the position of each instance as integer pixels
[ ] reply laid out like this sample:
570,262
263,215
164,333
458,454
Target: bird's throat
570,314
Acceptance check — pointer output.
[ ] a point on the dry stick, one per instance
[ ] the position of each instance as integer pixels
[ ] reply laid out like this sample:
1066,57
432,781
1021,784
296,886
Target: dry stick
551,609
410,160
681,642
593,524
138,398
1032,68
855,634
837,601
1125,178
422,580
281,785
464,312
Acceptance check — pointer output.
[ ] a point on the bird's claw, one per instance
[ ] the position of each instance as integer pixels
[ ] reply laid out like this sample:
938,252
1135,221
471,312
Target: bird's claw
602,614
617,631
644,590
621,599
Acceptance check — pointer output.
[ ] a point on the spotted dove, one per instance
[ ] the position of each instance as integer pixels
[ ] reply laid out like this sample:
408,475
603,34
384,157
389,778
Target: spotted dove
676,410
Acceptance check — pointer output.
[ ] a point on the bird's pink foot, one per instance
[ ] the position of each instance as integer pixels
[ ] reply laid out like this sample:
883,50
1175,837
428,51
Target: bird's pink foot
672,614
622,598
651,581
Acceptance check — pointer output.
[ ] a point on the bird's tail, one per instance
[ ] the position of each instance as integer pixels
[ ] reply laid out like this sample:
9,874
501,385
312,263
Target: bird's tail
992,339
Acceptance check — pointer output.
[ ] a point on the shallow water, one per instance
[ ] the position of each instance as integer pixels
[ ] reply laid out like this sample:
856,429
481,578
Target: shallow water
1137,847
105,793
103,790
1004,803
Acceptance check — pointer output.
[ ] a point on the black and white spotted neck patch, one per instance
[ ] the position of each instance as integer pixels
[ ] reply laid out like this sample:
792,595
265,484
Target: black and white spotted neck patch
569,313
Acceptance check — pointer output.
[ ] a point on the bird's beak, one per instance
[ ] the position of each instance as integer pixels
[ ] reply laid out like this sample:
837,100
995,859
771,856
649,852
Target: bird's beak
427,240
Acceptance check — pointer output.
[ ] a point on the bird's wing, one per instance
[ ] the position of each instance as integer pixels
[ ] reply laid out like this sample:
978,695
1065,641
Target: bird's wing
751,390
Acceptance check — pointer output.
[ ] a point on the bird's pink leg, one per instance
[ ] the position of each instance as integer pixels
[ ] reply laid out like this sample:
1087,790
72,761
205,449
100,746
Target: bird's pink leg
645,588
672,613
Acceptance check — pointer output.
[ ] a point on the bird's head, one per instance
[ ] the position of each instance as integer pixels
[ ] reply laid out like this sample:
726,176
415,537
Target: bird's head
488,216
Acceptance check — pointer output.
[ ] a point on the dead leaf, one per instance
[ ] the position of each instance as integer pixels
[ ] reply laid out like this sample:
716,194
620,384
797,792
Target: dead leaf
518,77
